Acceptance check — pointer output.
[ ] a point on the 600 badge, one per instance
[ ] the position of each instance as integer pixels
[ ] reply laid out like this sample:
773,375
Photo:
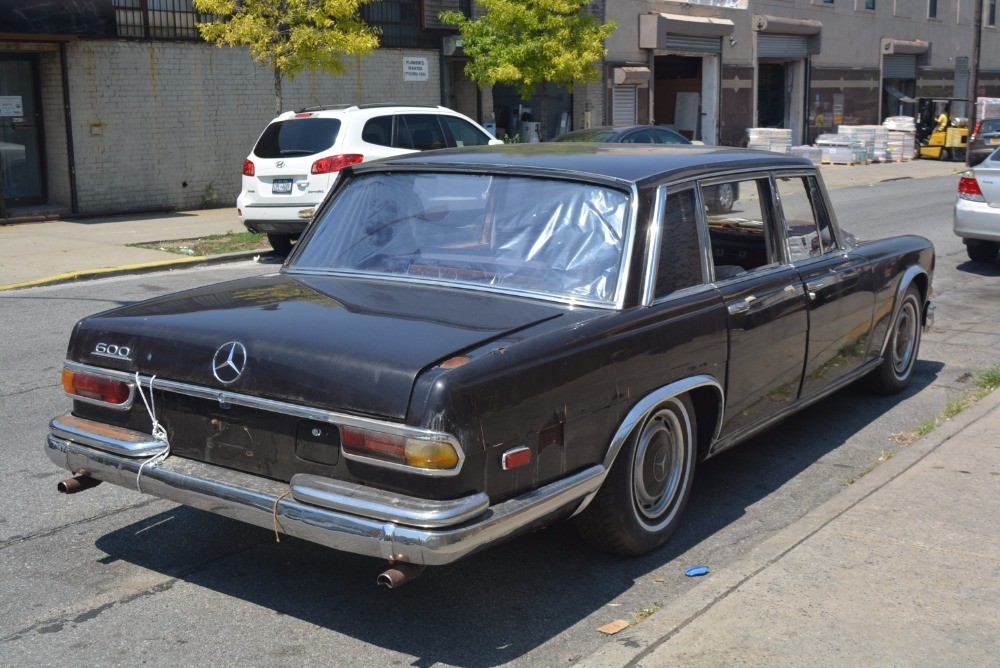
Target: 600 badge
113,351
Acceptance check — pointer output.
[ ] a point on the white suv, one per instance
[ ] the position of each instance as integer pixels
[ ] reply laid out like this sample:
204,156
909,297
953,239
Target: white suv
300,154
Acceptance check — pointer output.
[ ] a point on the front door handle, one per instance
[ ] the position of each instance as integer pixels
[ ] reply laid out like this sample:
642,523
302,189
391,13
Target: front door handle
742,306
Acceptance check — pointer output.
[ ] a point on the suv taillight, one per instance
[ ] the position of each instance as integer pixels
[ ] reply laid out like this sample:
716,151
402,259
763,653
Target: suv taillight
968,188
335,163
248,168
979,126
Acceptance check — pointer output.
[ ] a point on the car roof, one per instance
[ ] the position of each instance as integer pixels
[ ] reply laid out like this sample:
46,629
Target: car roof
617,130
372,109
630,163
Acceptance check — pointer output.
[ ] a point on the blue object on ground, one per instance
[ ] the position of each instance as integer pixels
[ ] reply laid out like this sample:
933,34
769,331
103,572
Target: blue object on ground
695,571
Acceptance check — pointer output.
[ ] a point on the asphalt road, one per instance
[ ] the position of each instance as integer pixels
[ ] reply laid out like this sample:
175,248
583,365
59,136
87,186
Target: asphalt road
111,577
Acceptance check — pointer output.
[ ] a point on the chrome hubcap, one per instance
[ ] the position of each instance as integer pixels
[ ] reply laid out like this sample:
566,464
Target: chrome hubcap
905,338
660,458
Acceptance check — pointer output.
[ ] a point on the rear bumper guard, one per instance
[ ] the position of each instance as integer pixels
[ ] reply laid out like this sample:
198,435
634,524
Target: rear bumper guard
343,516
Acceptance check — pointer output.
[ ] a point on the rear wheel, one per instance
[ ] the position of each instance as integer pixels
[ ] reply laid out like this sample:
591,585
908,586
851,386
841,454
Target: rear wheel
723,198
281,243
982,252
641,501
958,154
894,374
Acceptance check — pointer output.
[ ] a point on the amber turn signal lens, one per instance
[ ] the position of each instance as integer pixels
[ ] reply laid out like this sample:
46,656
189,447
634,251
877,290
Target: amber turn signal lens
430,454
99,388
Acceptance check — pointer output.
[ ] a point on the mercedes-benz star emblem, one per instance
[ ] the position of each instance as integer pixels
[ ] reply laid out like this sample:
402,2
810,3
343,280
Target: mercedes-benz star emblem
229,361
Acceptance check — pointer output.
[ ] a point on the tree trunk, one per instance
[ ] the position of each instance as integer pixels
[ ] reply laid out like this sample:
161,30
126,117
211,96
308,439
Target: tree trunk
277,92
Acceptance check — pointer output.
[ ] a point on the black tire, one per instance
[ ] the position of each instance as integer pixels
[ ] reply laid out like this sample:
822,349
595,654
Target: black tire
642,500
958,154
281,243
723,198
982,252
901,350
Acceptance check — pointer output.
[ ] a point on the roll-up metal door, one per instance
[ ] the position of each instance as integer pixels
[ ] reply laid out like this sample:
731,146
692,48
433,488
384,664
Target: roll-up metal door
692,44
899,66
782,46
623,105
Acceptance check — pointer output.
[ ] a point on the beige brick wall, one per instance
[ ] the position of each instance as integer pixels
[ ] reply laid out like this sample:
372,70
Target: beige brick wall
167,124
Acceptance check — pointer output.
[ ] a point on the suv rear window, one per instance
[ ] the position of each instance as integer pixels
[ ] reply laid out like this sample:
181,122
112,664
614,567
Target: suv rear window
297,136
990,125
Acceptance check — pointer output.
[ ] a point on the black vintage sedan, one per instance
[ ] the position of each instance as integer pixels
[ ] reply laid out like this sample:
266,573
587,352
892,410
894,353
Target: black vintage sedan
470,343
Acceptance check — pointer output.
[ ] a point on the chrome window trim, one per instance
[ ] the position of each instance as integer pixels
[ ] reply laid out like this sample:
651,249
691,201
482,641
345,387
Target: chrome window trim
812,191
649,297
628,239
653,237
106,373
303,412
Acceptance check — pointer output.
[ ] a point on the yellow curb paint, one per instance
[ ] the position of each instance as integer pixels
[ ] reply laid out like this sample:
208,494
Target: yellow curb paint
75,275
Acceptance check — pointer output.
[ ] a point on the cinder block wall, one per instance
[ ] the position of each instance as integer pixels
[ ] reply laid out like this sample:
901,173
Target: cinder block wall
167,124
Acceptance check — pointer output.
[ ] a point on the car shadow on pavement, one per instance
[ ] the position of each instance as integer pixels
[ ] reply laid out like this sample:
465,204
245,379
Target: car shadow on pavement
497,606
980,268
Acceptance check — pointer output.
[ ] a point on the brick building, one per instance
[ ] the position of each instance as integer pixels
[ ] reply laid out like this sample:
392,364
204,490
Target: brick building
117,105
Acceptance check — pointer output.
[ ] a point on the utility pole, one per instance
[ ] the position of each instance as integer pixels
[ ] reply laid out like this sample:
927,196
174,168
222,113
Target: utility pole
977,27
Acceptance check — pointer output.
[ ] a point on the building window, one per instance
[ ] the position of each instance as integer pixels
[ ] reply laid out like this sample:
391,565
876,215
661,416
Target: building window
870,5
991,14
401,22
158,19
932,9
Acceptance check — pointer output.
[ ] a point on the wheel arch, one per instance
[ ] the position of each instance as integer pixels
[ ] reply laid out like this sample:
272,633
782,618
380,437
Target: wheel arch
915,275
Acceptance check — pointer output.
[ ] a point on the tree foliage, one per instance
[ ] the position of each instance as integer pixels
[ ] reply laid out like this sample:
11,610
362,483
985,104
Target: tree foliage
524,43
290,35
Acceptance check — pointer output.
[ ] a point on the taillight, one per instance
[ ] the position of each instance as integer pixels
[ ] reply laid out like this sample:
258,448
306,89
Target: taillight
98,388
303,114
248,169
968,188
416,452
979,126
335,163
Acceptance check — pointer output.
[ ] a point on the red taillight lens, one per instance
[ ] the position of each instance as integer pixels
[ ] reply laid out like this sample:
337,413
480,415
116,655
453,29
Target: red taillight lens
414,452
100,388
303,114
335,163
968,188
979,126
248,169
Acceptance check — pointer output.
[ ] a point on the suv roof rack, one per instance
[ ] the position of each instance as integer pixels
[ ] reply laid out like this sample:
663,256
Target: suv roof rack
368,105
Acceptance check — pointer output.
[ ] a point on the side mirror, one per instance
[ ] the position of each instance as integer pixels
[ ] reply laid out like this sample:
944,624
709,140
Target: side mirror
496,142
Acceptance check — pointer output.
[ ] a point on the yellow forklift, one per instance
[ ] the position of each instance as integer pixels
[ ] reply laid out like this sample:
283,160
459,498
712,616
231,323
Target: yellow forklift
942,128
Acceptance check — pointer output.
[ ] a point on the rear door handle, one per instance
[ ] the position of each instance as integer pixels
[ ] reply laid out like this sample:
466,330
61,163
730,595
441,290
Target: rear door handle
742,306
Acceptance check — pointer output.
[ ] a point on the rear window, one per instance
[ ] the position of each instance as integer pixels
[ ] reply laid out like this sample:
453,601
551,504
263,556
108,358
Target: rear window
595,135
297,136
990,125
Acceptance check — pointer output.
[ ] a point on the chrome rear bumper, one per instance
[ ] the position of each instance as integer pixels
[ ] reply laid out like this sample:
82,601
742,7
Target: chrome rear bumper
351,518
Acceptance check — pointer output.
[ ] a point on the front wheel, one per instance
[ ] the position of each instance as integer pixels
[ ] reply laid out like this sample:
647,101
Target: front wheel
958,154
641,501
896,370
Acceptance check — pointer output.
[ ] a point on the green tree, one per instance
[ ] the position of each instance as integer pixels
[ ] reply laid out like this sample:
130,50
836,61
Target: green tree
290,35
525,43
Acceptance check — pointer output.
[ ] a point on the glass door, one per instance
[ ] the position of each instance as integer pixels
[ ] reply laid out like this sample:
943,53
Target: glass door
20,132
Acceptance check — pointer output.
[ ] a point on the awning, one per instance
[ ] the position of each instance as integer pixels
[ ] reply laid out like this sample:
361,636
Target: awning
904,47
631,76
778,24
654,28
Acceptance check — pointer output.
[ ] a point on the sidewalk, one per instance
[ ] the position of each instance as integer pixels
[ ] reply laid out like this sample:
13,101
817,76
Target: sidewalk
66,250
902,568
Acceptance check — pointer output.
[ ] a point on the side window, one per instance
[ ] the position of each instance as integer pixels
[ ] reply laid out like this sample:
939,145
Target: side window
807,227
463,133
639,137
679,265
378,130
738,226
421,132
667,137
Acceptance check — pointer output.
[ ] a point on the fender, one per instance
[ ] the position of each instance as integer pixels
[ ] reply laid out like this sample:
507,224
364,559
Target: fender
647,405
904,283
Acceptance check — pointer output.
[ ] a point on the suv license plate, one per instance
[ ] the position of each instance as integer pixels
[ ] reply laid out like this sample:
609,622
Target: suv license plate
281,186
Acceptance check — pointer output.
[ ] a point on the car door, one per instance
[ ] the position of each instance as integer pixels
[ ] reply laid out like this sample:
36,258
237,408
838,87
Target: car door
838,286
765,302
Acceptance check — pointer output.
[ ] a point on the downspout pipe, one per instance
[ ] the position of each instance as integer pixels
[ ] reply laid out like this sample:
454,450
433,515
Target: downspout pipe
68,116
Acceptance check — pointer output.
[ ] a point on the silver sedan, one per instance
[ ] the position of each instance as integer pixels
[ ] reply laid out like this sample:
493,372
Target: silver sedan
977,209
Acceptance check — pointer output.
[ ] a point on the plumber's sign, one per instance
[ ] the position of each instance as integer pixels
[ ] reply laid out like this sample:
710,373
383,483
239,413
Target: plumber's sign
11,105
415,69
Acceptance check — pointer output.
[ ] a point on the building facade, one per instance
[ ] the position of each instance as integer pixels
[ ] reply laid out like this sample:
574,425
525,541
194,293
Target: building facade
113,106
712,68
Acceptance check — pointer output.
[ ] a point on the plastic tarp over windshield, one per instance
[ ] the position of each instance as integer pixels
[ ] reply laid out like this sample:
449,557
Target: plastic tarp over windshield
563,239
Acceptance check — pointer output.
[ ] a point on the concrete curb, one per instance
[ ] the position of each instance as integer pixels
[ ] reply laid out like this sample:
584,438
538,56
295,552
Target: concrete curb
632,646
148,267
